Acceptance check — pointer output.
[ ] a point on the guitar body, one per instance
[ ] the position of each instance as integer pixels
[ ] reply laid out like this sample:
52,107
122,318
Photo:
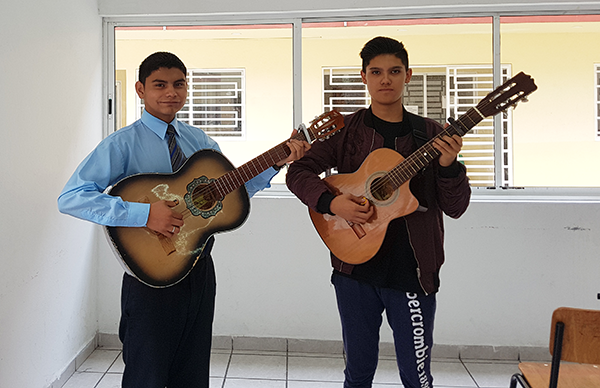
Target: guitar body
160,261
356,244
212,198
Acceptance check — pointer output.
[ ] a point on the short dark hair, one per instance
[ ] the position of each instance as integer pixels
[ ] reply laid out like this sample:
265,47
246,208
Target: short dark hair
157,60
383,45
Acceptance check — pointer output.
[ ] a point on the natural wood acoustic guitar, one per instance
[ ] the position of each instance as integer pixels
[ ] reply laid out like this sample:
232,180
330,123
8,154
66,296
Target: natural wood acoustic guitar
211,195
383,179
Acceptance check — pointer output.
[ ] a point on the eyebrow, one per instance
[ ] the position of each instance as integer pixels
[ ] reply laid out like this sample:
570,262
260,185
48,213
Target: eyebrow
380,68
164,82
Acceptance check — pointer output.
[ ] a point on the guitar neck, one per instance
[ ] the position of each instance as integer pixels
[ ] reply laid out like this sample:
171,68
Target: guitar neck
427,153
234,179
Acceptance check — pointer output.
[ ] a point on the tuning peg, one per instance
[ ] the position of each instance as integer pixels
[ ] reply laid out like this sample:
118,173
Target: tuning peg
525,99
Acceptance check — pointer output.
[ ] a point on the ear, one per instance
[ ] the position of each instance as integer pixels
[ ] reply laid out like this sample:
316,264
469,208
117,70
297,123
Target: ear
364,77
139,89
408,76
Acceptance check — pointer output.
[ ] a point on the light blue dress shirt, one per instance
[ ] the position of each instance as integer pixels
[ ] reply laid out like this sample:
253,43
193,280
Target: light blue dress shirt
138,148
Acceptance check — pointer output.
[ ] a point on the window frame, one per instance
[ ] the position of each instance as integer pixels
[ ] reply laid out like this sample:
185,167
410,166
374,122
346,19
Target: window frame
479,194
597,98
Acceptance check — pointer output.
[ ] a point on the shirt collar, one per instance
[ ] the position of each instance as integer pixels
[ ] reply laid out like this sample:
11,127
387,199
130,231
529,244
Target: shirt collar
157,125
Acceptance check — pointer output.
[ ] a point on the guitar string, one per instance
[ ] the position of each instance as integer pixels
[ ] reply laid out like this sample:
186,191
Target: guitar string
404,171
505,94
279,152
400,174
233,179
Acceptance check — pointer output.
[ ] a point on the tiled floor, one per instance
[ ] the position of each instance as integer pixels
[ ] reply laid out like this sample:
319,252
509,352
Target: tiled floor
248,369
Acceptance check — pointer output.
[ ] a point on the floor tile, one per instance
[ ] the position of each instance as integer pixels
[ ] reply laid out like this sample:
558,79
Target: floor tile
83,380
387,372
300,370
250,383
316,368
257,366
316,384
491,375
110,380
217,382
99,361
118,366
451,374
218,364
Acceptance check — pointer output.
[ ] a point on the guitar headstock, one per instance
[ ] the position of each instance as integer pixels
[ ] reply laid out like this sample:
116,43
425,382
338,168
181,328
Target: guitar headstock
325,125
508,94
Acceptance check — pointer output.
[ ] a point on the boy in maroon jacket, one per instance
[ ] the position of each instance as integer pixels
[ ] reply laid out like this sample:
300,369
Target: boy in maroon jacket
402,278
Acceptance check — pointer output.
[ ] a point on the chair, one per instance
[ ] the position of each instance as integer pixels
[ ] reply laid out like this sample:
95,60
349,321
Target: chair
575,338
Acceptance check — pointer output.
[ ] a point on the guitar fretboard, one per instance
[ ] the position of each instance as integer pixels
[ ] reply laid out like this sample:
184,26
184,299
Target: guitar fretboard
421,158
233,179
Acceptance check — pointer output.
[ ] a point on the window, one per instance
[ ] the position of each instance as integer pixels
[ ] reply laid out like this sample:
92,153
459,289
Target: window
215,102
343,90
467,85
313,66
553,137
597,102
241,99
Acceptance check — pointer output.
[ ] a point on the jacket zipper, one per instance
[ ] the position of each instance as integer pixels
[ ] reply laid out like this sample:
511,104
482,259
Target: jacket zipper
415,255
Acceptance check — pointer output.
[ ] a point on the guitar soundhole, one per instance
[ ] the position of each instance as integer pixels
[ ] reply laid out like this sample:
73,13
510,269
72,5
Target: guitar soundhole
202,198
381,189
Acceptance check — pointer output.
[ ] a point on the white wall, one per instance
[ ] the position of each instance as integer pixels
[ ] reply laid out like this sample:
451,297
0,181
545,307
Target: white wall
508,267
50,77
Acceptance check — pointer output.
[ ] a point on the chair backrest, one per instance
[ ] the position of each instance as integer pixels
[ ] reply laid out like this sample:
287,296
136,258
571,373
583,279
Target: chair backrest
581,338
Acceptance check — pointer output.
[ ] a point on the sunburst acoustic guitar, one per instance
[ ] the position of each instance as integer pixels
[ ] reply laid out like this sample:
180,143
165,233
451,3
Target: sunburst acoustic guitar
383,179
211,195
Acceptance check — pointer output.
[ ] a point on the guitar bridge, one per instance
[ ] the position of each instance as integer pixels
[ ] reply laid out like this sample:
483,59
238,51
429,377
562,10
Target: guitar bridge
358,229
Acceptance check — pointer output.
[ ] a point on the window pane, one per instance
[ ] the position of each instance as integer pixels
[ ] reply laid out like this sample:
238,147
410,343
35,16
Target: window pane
452,70
555,141
238,97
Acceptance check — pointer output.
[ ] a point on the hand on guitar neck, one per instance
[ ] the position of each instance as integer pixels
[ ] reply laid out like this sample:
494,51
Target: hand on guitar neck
449,148
297,149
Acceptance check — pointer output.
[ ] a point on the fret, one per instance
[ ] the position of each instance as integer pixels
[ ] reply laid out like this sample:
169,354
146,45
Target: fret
473,121
393,178
221,190
244,170
226,182
256,170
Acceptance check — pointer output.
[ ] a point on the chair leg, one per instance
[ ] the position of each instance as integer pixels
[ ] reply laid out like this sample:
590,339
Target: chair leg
518,378
556,355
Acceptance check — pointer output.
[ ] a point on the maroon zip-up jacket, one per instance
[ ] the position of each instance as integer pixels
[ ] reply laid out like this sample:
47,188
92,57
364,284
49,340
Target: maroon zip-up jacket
440,194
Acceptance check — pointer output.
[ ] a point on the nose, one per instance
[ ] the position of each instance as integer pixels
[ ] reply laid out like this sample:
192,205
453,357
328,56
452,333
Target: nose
385,79
170,90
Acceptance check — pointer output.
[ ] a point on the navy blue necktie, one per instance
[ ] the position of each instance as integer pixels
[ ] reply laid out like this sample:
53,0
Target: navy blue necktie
177,156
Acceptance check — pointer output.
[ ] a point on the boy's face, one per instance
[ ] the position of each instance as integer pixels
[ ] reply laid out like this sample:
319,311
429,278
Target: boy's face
164,93
385,78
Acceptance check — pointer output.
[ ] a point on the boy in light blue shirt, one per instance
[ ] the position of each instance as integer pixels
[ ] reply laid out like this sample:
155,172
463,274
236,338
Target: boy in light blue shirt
166,332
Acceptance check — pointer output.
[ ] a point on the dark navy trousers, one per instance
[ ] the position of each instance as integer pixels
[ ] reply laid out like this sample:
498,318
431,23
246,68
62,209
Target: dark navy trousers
167,332
410,317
